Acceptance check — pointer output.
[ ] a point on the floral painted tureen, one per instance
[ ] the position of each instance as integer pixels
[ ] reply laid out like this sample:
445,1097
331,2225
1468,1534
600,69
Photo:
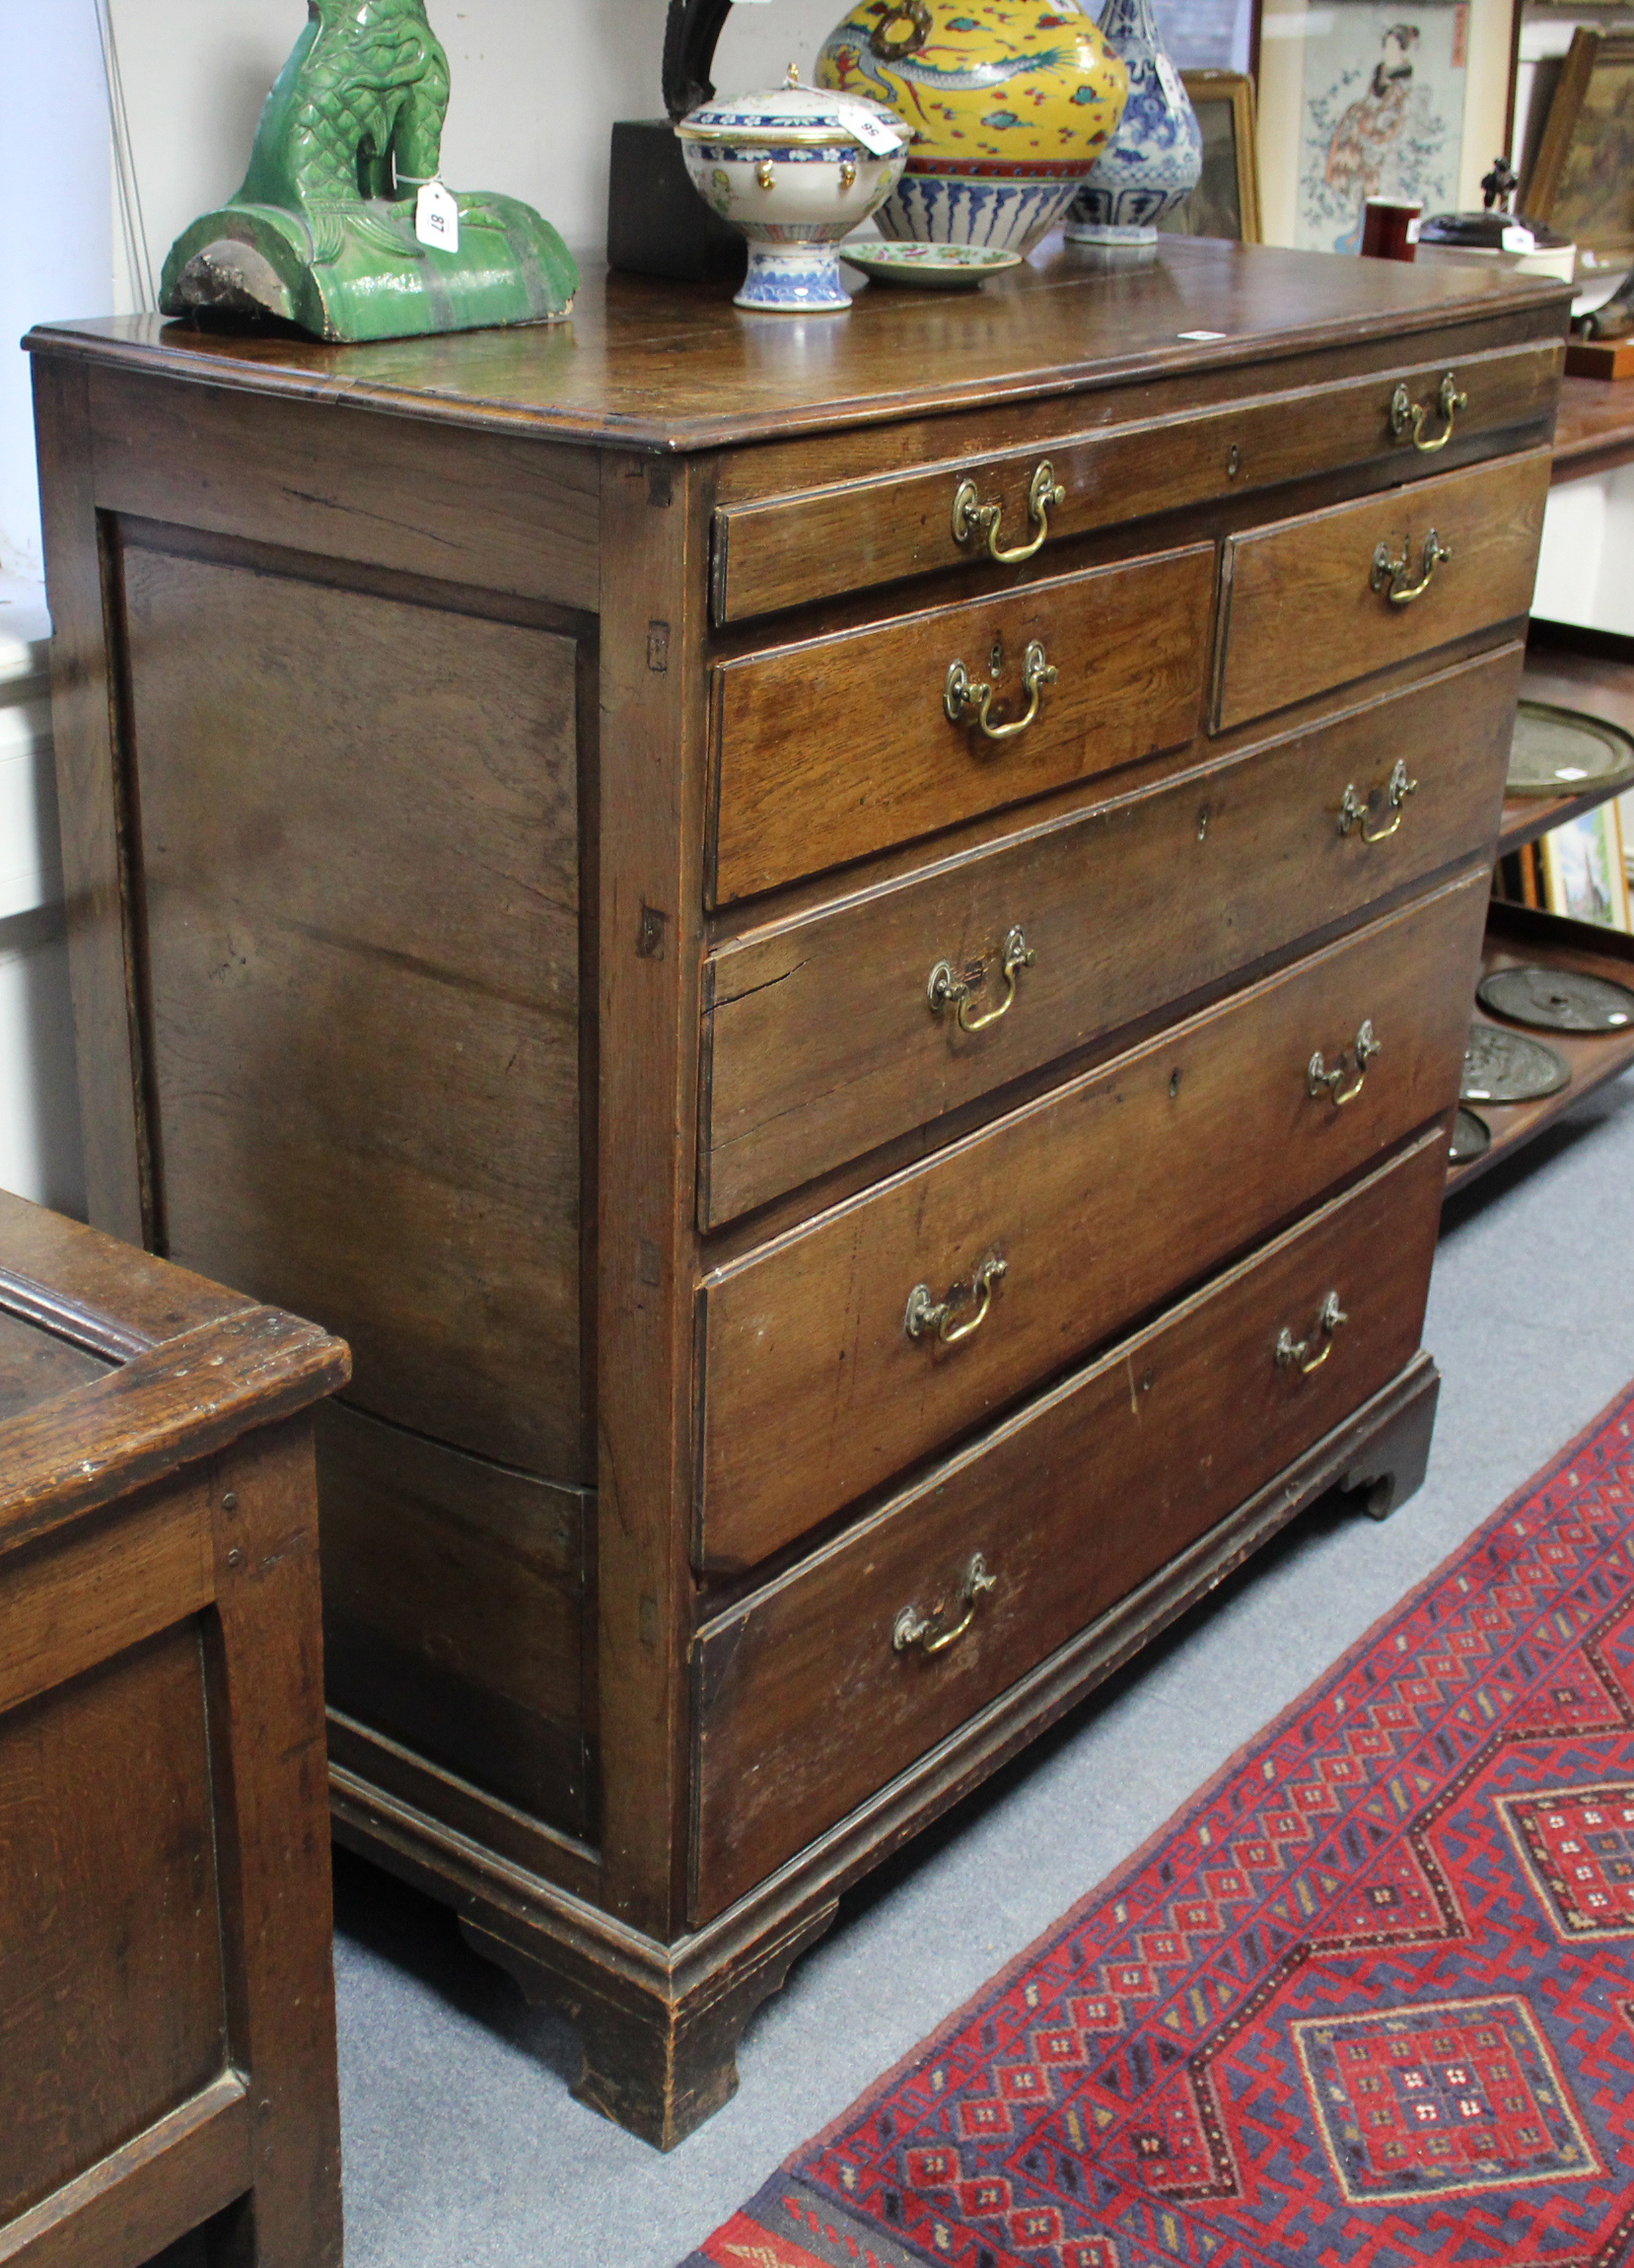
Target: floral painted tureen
796,169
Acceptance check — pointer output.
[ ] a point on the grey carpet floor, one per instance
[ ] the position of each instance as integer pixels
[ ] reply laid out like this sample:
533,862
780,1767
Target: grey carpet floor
464,2148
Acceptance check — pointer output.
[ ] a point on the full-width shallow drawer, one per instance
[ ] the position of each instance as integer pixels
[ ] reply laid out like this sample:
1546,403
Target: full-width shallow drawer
1327,598
1115,457
824,1373
827,1035
818,1689
836,747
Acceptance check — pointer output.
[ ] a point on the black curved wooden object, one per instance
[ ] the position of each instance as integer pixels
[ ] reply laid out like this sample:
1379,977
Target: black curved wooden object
689,38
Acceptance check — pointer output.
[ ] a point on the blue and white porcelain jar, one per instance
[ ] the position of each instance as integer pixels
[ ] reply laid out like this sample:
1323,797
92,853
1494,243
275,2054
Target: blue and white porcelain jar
796,169
1155,158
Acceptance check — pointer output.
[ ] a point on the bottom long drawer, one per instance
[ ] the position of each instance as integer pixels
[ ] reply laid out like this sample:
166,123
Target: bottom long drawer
817,1690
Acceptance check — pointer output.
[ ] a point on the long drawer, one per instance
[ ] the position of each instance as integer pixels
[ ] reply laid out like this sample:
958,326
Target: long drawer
1116,457
1324,600
817,1690
1034,1239
837,746
829,1034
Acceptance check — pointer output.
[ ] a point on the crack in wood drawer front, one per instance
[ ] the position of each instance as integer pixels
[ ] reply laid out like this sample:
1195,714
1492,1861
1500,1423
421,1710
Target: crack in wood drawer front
1331,596
827,1035
1095,1202
839,746
805,1701
785,550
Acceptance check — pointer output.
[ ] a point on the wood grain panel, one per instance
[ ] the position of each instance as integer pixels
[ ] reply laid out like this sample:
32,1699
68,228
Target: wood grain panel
1100,1199
805,1705
500,512
837,746
785,550
1298,611
69,1605
360,848
151,2192
111,1990
35,1364
820,1041
454,1597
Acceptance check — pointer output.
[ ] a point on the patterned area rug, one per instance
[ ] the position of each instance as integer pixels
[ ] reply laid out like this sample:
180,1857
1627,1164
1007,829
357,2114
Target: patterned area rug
1367,2003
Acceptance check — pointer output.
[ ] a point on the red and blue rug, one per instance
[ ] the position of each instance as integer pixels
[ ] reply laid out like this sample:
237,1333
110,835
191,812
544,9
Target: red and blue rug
1367,2003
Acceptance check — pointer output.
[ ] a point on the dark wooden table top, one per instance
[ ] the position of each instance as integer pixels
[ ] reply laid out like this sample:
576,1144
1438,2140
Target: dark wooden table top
665,366
1594,431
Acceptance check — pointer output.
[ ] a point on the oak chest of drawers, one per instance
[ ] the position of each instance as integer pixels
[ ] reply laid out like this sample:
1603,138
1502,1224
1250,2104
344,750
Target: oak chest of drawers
841,950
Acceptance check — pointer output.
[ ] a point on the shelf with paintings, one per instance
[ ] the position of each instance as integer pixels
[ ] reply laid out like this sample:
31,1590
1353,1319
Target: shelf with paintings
1520,937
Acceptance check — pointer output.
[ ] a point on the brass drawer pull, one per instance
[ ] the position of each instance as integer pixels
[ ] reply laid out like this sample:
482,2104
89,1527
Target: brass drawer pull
911,1628
972,518
1292,1350
1353,812
945,990
1318,1080
937,1316
1389,575
1411,417
962,693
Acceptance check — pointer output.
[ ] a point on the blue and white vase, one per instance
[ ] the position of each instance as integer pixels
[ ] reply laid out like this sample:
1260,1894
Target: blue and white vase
1155,160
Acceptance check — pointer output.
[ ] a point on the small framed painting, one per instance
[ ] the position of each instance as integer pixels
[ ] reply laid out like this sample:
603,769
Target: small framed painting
1226,201
1583,180
1584,871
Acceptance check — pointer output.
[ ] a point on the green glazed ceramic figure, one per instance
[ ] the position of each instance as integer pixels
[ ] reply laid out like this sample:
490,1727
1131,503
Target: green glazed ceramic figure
323,231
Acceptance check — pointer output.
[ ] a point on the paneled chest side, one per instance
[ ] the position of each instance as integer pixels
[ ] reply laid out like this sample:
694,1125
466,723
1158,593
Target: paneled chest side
844,962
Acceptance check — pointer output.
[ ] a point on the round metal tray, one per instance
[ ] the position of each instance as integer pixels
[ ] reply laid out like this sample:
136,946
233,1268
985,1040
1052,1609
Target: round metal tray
1563,752
1557,999
1507,1067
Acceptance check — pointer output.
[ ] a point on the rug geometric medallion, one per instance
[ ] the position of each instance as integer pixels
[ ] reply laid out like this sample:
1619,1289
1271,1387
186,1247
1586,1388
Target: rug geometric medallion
1367,2003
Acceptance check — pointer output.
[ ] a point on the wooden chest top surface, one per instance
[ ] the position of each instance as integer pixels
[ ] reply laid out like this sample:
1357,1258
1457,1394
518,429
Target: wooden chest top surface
660,365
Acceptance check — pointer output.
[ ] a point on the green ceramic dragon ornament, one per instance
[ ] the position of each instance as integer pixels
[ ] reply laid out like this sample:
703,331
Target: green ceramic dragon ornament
342,226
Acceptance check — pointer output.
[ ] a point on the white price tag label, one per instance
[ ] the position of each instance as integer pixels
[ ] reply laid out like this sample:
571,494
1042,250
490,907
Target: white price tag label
1413,228
1519,240
881,135
1170,79
437,217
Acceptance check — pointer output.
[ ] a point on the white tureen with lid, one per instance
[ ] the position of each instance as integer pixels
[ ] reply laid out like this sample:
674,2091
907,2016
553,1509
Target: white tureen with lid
796,169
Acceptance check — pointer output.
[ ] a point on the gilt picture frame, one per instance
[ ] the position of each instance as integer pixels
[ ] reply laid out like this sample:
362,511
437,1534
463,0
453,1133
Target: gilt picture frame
1226,201
1581,181
1585,875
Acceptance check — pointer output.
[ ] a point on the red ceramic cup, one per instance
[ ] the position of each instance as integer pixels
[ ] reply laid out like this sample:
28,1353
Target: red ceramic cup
1388,231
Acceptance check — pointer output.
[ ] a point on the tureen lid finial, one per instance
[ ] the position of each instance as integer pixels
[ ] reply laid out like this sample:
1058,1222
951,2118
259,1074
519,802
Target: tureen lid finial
793,79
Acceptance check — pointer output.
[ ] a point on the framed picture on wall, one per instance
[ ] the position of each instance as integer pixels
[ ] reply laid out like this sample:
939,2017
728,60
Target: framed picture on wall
1582,181
1376,97
1584,871
1226,201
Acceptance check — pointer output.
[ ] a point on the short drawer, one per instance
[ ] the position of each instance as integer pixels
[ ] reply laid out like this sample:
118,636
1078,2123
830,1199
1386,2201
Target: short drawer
827,1035
1327,598
838,747
823,1376
1115,457
815,1692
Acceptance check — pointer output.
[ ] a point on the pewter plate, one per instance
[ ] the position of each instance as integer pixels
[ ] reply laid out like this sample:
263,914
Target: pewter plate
1471,1136
1563,752
1507,1067
1557,999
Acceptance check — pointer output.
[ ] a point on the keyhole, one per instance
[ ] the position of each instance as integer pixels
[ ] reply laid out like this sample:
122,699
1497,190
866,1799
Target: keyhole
1202,823
1234,462
995,660
1173,1084
1146,1383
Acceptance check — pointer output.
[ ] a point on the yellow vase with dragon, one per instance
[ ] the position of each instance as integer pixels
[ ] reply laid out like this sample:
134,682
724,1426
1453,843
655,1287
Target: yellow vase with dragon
984,83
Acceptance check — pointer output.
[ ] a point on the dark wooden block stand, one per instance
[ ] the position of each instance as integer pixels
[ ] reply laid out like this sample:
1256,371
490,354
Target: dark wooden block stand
814,939
166,2001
